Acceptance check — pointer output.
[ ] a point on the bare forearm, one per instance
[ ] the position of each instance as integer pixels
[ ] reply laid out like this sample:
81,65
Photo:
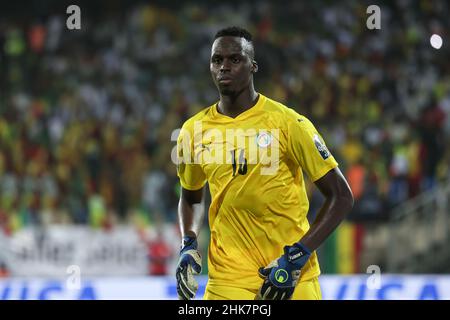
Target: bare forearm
338,203
329,217
190,217
190,213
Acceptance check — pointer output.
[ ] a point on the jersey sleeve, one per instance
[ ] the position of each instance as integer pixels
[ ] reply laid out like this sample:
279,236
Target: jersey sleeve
190,173
307,148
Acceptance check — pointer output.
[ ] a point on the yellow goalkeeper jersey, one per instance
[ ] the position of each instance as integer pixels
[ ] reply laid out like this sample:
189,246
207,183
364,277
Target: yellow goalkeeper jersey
254,165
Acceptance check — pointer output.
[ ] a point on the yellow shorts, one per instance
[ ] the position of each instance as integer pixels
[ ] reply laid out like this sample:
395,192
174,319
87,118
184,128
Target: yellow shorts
305,290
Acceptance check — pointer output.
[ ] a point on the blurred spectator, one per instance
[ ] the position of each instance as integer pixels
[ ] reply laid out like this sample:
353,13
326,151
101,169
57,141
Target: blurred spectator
4,272
159,253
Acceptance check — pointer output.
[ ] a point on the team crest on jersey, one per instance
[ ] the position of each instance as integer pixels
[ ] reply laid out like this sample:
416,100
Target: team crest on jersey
321,147
263,140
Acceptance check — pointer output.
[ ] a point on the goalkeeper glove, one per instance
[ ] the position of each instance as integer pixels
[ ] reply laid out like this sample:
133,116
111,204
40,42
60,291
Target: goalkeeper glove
190,263
281,275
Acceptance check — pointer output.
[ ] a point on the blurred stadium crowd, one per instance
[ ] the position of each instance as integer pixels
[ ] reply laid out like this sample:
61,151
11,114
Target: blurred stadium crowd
86,116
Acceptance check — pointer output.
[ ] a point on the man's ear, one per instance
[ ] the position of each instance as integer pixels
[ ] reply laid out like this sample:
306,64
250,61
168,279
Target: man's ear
254,66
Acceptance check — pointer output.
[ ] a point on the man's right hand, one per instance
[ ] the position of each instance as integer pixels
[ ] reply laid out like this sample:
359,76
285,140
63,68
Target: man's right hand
189,264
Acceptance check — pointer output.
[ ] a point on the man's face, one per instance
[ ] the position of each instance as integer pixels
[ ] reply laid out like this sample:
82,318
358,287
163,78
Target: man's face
231,64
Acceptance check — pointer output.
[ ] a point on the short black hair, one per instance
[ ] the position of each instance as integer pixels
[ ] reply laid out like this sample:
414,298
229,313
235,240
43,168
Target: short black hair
234,32
241,33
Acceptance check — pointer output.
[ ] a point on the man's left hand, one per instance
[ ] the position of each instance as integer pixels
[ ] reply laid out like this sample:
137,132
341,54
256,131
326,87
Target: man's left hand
281,275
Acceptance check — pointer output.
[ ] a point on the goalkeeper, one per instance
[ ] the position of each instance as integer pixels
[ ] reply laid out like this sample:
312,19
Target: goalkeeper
261,246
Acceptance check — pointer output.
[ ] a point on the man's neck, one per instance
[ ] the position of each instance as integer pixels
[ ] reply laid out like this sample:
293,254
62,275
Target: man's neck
232,106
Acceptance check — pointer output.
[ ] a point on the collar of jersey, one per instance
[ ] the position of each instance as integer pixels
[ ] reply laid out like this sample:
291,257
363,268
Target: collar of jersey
221,117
